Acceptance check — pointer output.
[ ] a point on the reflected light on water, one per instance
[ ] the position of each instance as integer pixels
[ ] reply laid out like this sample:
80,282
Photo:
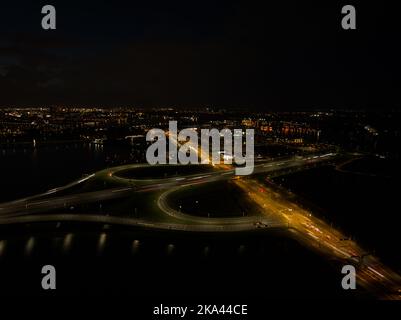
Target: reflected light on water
29,246
102,242
206,251
135,246
67,242
2,246
170,249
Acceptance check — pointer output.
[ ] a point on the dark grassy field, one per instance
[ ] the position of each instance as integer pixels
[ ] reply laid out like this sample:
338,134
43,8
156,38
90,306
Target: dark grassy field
215,199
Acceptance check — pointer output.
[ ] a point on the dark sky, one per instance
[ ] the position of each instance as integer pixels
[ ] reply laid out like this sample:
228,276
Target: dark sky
292,55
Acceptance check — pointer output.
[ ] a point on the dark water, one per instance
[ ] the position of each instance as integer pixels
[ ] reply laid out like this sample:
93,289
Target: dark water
141,263
30,171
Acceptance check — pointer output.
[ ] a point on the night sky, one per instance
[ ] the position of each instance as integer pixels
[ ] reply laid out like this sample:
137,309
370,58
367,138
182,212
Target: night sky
288,56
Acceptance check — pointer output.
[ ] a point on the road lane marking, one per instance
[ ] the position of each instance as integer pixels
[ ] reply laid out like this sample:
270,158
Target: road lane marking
120,190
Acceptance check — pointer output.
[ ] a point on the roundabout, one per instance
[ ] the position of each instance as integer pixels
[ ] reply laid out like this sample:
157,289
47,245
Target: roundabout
140,195
180,179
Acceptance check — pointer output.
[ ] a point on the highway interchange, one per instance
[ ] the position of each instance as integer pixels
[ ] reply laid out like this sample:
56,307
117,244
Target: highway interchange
278,213
50,201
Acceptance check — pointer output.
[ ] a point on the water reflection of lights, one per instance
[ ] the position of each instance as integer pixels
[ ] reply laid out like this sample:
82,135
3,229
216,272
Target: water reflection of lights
29,246
67,242
2,246
101,243
135,246
170,249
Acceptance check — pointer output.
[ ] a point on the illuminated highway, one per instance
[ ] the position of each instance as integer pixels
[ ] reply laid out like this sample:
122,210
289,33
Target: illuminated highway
278,212
42,202
318,235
